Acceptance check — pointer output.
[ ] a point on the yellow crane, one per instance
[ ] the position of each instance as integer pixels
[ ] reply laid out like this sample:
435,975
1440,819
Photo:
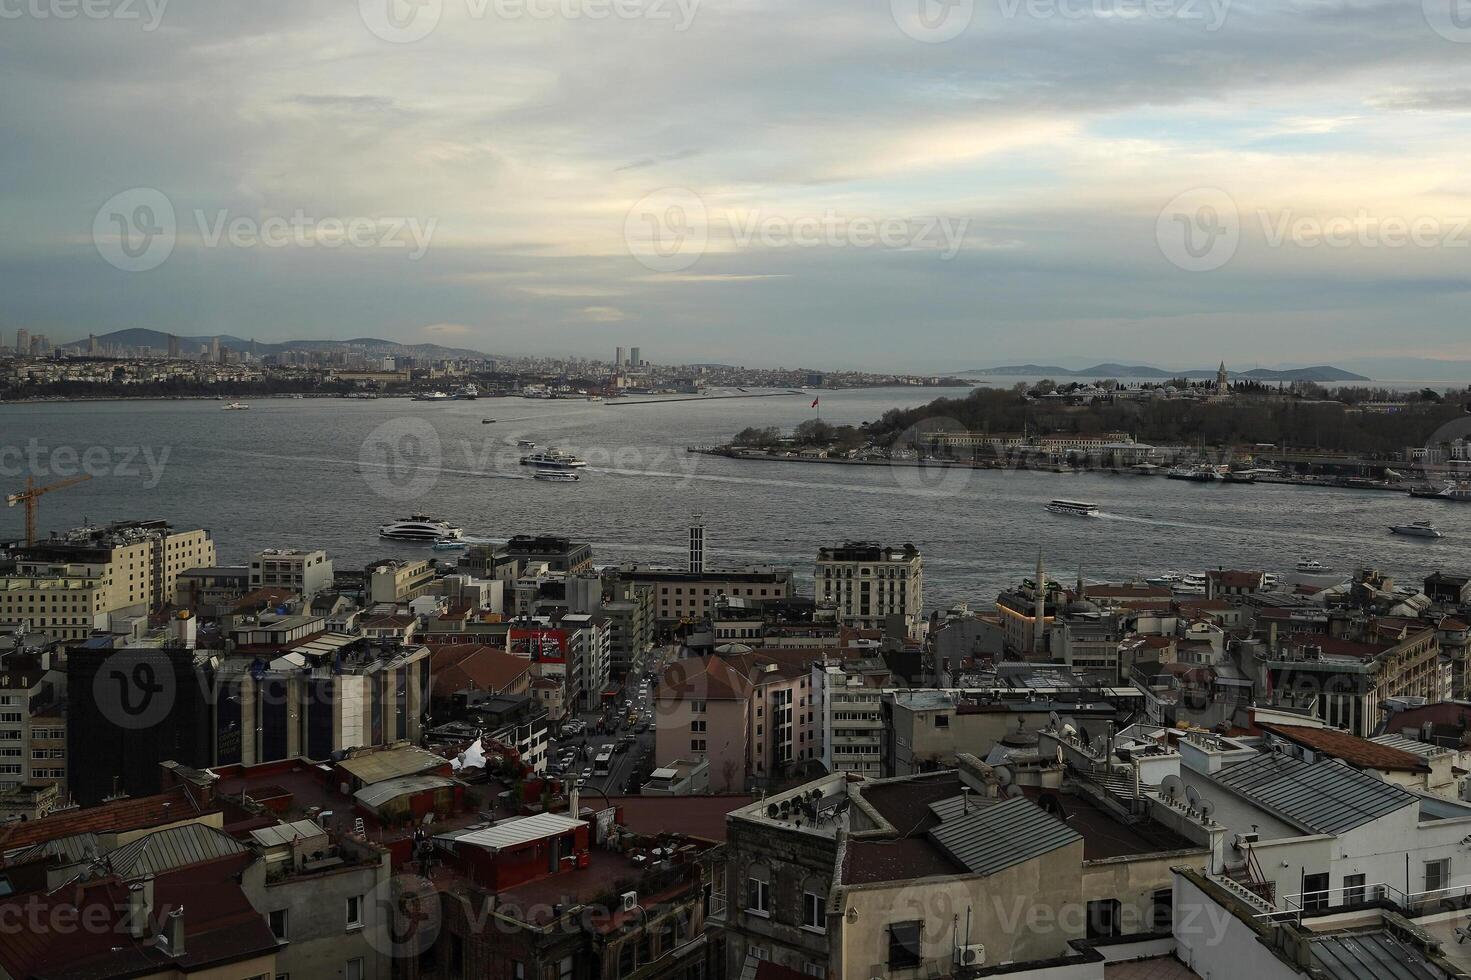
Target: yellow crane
32,493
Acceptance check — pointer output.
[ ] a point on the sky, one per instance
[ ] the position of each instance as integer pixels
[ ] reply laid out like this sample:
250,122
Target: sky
918,185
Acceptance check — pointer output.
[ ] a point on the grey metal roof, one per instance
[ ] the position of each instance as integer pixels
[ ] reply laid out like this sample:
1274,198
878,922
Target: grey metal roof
175,847
1370,956
1411,745
380,793
284,833
71,849
956,806
1324,797
989,839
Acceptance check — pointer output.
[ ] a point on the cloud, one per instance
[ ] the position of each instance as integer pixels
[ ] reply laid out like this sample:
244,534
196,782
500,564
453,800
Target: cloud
603,314
447,330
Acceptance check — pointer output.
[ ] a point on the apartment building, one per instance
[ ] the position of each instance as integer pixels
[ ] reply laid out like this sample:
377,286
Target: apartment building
850,732
33,749
78,581
305,572
870,582
589,643
397,582
691,596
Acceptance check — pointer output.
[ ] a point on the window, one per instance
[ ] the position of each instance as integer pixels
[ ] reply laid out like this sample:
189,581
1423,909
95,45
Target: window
904,948
278,925
1437,874
355,912
1161,914
1103,918
1353,889
942,721
354,969
814,911
518,969
1314,892
564,968
758,893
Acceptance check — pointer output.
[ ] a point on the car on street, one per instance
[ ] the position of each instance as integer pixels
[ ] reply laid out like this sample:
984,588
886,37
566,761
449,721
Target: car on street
642,727
586,774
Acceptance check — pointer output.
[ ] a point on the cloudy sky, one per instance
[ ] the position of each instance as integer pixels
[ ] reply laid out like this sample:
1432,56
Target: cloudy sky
916,184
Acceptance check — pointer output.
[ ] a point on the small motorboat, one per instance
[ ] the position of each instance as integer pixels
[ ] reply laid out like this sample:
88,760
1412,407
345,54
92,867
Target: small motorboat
487,421
556,476
1312,566
1417,529
236,407
449,544
525,444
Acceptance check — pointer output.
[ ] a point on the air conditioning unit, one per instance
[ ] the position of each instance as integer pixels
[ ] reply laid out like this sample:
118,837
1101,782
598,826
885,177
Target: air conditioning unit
630,900
972,955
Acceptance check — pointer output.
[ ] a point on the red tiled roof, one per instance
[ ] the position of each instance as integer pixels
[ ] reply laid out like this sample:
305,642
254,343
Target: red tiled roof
1208,605
122,815
1235,580
1357,752
461,666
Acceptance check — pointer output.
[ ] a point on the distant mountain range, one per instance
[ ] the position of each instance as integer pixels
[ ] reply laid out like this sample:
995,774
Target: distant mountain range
140,337
1320,373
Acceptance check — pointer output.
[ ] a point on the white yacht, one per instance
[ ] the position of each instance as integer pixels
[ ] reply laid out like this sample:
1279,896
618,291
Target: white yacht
1166,580
235,407
553,458
1417,529
525,444
1455,490
557,476
1191,584
1312,566
431,396
1075,508
420,527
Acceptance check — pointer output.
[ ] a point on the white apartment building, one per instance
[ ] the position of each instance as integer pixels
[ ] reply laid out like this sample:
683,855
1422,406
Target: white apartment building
851,715
589,640
77,581
305,572
869,582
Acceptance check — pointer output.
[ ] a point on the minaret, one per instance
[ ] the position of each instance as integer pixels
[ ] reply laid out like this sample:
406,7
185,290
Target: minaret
1221,377
1080,582
1039,628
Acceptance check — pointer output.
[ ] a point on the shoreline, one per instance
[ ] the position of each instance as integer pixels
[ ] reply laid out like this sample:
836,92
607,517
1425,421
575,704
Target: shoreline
945,464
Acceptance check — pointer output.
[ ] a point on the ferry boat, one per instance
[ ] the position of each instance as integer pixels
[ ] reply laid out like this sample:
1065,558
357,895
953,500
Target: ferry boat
449,544
553,458
1166,580
468,393
1417,529
1459,491
420,527
556,476
235,407
1312,565
1240,476
1074,508
431,396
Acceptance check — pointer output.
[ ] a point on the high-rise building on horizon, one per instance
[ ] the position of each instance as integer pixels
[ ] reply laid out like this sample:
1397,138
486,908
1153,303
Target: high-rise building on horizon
634,358
173,347
618,357
22,341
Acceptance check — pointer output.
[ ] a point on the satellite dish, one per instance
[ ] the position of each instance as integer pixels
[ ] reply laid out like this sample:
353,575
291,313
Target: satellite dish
1083,734
1012,791
1053,720
1003,776
1206,808
1192,795
1172,786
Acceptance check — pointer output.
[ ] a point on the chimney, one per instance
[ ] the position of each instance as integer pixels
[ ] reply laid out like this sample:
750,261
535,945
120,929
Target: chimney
574,803
138,909
173,933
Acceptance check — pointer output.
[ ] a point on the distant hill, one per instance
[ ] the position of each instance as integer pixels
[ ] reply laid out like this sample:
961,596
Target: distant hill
140,337
1320,373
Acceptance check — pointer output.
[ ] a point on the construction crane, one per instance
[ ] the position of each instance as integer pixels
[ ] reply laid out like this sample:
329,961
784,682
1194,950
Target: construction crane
32,493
